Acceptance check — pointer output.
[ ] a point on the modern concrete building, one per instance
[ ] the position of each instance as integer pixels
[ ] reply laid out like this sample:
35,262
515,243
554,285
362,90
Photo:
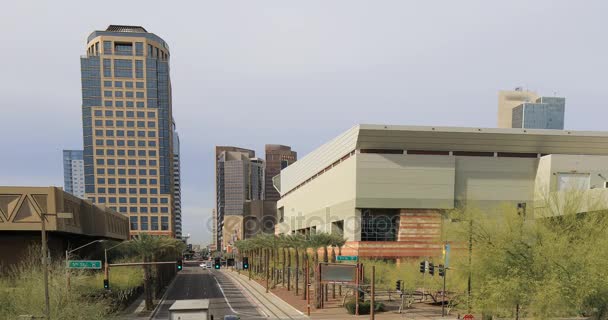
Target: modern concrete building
127,126
259,216
21,209
520,108
544,113
239,178
278,157
386,188
73,172
177,185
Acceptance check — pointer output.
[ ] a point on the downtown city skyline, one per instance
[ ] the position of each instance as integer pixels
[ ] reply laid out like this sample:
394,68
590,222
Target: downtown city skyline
287,78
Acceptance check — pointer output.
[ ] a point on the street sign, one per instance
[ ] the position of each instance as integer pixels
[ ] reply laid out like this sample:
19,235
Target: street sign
446,255
84,264
346,258
338,272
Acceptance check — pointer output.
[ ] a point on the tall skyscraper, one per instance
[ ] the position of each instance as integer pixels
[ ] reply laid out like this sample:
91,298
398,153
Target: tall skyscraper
278,157
239,177
177,182
127,118
73,172
525,109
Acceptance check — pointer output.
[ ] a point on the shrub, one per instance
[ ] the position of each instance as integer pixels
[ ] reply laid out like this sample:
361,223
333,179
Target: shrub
364,307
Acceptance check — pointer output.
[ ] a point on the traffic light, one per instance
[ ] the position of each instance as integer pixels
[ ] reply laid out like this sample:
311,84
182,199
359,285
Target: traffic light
422,266
398,285
441,270
217,263
245,263
431,269
106,284
179,265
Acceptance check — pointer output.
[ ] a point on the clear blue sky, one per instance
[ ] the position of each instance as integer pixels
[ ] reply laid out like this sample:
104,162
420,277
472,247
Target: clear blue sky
249,72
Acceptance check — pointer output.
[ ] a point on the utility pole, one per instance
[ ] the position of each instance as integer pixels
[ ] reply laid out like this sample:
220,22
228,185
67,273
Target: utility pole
307,286
445,275
470,265
373,291
357,290
45,266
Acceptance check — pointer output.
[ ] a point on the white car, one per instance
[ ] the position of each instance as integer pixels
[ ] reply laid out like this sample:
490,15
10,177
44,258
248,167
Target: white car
204,265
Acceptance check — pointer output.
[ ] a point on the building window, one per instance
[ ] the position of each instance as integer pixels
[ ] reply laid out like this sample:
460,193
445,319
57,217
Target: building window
164,223
153,223
573,181
123,68
133,223
139,69
379,224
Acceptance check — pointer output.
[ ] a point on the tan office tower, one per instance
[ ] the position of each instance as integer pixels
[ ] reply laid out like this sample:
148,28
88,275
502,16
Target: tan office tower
239,178
509,99
278,157
127,126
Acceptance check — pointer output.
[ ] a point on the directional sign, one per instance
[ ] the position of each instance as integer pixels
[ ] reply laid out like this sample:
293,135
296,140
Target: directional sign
84,264
346,258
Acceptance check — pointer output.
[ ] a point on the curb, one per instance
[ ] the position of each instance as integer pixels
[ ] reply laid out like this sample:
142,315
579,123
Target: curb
162,299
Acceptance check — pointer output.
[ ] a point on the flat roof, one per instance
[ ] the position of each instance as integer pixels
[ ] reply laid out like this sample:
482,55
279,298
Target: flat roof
440,138
191,304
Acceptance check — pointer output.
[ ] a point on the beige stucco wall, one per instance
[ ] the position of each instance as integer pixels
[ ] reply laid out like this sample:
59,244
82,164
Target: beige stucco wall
330,197
405,181
490,181
550,201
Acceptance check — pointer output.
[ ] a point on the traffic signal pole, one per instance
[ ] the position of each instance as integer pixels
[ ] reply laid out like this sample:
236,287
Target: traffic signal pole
445,275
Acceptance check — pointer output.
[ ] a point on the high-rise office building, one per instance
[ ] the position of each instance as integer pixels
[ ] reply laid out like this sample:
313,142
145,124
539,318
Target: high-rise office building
239,178
520,108
544,113
127,118
177,185
508,100
278,157
73,172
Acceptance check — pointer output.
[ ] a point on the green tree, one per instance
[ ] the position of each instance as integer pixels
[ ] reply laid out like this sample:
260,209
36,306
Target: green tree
148,247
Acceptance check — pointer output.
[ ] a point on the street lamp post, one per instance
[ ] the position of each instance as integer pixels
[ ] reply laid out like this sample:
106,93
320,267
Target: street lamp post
105,256
45,264
45,271
67,258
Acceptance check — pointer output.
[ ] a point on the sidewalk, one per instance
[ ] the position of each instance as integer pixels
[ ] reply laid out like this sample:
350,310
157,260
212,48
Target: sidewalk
268,303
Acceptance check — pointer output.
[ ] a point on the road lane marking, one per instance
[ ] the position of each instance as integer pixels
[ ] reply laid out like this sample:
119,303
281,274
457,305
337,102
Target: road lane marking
230,306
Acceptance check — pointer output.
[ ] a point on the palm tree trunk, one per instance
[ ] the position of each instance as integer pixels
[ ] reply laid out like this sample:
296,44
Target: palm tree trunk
340,287
297,270
318,296
284,265
333,260
326,260
304,271
148,286
288,269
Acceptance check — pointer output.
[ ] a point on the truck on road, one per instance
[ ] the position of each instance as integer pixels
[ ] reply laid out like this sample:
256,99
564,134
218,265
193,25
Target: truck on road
190,310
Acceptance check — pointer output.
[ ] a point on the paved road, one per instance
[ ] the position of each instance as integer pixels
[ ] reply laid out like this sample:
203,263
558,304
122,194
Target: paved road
197,283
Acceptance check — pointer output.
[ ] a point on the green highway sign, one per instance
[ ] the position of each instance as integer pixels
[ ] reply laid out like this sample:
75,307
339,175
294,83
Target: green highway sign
346,258
84,264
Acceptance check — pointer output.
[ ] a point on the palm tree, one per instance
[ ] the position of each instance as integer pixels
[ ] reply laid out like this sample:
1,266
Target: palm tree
295,241
337,241
148,247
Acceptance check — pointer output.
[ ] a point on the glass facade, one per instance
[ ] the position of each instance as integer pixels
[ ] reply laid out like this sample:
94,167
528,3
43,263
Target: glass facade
73,172
544,113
